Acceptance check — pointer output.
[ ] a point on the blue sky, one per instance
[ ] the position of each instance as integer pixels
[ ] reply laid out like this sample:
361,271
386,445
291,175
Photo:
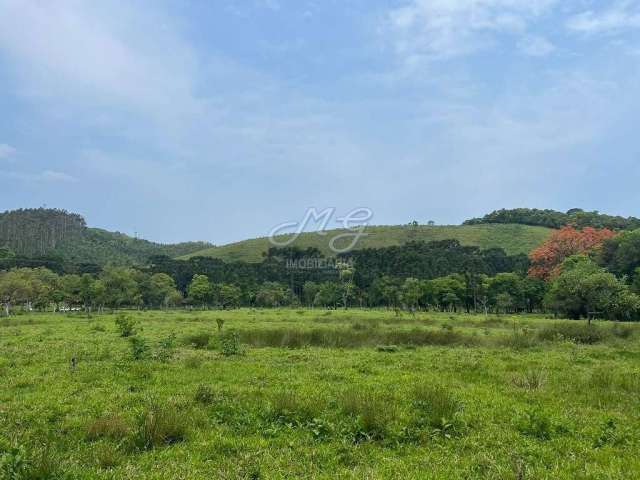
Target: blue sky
216,120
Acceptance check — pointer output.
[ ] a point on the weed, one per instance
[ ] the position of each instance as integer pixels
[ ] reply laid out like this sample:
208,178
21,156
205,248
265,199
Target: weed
530,380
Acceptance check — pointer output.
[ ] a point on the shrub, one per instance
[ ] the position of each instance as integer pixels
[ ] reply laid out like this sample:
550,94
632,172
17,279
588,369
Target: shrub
166,348
204,394
126,325
159,425
110,426
139,348
230,344
537,423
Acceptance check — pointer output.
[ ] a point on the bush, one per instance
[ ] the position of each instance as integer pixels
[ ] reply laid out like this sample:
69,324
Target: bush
159,425
166,348
537,423
139,348
230,344
126,325
109,426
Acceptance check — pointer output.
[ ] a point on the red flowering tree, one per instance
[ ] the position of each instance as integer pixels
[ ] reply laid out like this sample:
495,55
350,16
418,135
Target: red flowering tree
548,257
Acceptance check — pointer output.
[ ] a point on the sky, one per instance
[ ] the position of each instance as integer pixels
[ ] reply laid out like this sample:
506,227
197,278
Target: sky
217,120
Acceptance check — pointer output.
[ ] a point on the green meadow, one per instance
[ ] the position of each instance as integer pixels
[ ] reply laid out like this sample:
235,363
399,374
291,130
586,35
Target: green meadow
355,394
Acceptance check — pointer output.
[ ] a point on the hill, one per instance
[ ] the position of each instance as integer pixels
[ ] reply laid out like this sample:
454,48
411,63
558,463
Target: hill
42,232
513,239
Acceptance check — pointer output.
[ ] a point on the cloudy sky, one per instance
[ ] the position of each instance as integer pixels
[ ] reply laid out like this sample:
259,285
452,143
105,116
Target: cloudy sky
216,120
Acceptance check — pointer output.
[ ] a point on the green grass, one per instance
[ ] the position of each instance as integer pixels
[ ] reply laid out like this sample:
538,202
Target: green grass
318,394
512,238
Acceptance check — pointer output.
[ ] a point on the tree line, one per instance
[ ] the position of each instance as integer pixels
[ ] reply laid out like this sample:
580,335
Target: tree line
554,219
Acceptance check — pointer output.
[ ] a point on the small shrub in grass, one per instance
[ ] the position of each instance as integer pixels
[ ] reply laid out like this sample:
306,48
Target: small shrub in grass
204,395
536,422
139,348
108,426
373,414
126,325
14,464
230,344
198,340
98,328
166,348
159,425
611,434
532,379
436,409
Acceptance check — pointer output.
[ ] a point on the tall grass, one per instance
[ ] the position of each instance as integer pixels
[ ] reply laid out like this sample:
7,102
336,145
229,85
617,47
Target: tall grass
351,338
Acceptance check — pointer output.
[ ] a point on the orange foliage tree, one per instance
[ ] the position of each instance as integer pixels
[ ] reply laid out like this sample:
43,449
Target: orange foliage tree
547,259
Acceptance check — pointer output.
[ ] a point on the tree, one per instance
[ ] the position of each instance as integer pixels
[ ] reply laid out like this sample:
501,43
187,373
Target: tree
121,287
412,291
200,290
309,292
229,296
584,289
159,290
271,294
328,295
547,259
621,254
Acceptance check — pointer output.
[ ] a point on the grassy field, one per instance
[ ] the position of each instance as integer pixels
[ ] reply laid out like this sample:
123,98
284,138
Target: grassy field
512,238
317,394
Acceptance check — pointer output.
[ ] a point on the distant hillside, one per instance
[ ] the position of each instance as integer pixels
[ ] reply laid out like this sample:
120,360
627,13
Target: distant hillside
57,233
513,239
555,219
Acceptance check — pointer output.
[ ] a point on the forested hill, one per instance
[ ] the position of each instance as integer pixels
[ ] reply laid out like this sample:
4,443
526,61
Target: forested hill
59,234
555,219
513,239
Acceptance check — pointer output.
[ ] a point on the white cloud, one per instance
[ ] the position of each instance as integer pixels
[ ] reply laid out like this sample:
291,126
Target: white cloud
618,18
535,46
437,29
48,176
6,151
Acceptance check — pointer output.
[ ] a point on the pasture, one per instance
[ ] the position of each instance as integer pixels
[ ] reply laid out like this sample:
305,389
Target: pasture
356,394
